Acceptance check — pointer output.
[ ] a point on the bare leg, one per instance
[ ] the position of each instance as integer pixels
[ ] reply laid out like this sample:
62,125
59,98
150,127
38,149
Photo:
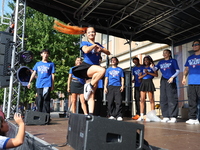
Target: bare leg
83,105
142,101
91,101
73,101
69,103
151,99
96,73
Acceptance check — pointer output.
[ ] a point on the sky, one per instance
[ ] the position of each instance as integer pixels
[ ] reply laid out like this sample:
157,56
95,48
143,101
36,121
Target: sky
6,9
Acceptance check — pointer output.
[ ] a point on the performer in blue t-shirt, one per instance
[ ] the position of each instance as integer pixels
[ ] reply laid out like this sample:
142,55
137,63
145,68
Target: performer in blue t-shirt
45,81
136,70
75,88
168,89
90,68
192,68
147,86
114,85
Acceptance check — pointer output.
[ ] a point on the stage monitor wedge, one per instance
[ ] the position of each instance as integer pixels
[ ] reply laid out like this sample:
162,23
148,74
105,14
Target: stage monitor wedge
97,133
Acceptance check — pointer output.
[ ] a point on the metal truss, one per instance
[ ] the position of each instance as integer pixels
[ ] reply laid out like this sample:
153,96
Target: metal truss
86,8
4,20
18,40
132,8
174,9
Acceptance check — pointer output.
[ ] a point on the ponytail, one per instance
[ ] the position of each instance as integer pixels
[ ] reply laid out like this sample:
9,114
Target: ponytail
67,29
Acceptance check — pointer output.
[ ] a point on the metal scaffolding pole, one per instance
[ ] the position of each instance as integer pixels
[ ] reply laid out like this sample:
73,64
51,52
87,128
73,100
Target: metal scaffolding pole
18,40
4,99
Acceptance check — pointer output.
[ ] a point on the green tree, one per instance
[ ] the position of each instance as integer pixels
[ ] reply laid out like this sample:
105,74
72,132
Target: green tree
63,48
39,35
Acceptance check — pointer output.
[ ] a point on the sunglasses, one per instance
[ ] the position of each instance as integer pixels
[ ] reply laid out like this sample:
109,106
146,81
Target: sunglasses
195,45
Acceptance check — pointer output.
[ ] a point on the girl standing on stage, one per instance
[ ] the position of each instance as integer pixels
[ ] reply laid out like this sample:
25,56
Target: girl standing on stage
75,87
147,85
168,89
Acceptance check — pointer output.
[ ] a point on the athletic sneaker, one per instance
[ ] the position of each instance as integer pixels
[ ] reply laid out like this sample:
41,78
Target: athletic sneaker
165,119
111,117
140,119
87,90
135,117
172,120
119,118
192,121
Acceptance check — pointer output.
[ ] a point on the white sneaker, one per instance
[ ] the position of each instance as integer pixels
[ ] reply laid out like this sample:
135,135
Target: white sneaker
192,121
119,118
172,120
140,119
165,119
87,91
111,117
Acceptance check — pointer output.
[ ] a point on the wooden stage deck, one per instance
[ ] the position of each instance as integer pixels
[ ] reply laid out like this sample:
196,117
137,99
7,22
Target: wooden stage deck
171,136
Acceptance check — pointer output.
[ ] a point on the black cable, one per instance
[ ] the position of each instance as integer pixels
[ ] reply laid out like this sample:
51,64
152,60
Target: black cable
60,145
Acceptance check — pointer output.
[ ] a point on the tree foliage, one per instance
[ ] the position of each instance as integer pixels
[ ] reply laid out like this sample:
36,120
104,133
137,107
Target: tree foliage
63,48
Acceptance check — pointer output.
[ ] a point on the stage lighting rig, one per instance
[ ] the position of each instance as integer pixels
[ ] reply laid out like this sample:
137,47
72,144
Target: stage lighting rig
25,57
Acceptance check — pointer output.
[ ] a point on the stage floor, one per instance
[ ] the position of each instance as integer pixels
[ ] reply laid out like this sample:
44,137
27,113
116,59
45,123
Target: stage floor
171,136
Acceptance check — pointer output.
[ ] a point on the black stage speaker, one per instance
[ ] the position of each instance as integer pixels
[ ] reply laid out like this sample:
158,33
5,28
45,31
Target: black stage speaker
36,118
97,133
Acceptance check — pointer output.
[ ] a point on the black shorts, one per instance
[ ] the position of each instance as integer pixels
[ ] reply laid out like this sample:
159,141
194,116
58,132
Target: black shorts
76,87
81,70
147,85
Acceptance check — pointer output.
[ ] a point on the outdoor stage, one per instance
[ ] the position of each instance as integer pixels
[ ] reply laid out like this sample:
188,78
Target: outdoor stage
171,136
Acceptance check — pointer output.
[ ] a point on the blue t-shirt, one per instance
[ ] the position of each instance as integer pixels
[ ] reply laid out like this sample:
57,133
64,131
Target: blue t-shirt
135,72
100,84
148,76
193,63
44,72
92,57
168,67
114,76
73,76
3,142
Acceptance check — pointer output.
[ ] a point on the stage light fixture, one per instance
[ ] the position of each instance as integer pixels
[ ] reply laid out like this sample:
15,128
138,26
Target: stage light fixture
23,75
25,57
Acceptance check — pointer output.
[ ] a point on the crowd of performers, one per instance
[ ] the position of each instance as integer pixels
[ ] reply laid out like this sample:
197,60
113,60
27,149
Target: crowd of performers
89,81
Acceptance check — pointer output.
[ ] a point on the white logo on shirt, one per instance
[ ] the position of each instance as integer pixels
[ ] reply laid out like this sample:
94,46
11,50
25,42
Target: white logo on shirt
194,62
137,72
165,66
114,73
149,70
43,69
